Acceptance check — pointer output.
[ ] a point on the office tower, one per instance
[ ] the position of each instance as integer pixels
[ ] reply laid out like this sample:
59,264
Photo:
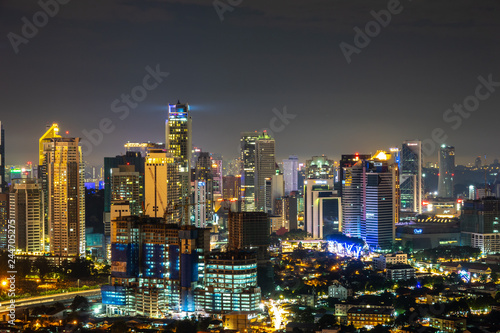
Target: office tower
4,219
64,172
204,184
320,167
217,175
347,161
178,134
301,177
233,167
156,267
380,201
478,162
291,174
230,285
480,224
142,148
472,192
248,178
126,185
248,230
162,186
265,167
26,209
322,206
231,187
50,133
200,204
3,183
411,185
370,197
446,171
130,159
277,191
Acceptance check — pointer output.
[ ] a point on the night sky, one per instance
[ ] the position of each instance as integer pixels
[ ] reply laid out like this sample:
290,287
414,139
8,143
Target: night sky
263,55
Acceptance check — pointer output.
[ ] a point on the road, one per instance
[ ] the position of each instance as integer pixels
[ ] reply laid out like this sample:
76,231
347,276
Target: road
94,294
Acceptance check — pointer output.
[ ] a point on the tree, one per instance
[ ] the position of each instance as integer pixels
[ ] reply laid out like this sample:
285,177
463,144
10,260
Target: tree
79,302
186,326
327,321
119,327
43,267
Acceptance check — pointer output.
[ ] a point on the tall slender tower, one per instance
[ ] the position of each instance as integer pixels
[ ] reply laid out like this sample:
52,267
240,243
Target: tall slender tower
26,209
291,174
265,167
65,173
446,171
178,134
411,177
248,181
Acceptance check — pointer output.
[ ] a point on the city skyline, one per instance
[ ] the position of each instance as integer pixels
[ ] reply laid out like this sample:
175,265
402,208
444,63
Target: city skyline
417,55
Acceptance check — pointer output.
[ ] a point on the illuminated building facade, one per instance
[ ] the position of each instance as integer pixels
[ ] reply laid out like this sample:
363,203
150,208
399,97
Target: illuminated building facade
230,284
204,195
248,181
217,175
291,174
347,161
480,224
265,167
231,187
130,159
126,185
26,209
446,171
361,317
162,186
322,205
155,267
178,134
320,167
64,169
411,185
142,148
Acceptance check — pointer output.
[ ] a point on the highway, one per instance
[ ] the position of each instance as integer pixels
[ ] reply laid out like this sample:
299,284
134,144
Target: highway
94,294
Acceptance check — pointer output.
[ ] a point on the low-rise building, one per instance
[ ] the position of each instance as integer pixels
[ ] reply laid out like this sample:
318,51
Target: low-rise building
400,272
381,262
339,291
361,317
448,324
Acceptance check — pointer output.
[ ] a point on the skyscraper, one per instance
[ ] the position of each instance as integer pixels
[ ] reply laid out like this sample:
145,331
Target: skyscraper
446,171
480,224
248,181
265,167
347,161
126,185
3,184
26,210
320,198
291,174
162,186
178,134
4,219
64,172
320,167
204,187
411,177
248,230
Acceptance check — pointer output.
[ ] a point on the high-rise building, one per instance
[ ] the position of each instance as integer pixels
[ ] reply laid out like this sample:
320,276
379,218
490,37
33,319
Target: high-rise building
323,210
291,174
178,134
155,267
265,167
230,284
142,148
248,178
127,185
370,197
4,219
217,175
3,183
347,161
249,230
480,224
231,187
64,174
204,186
446,171
26,212
411,185
162,186
320,167
130,159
